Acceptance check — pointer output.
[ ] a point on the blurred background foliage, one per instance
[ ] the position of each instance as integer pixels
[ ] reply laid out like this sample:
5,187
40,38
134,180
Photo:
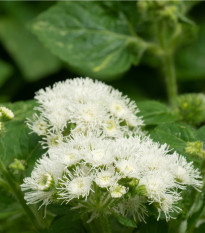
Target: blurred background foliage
26,64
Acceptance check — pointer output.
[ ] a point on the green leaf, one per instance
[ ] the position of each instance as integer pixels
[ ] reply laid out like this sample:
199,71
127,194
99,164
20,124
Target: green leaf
125,221
155,113
66,224
153,226
5,72
94,38
16,141
190,59
31,57
7,204
201,134
200,229
175,135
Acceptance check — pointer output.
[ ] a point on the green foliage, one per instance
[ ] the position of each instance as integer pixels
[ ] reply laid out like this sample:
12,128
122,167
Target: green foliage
32,58
201,134
96,39
66,224
126,221
190,58
175,135
154,226
5,72
155,113
200,228
15,143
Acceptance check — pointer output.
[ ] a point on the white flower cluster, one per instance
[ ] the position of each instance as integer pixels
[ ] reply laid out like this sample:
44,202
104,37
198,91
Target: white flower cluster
81,104
113,166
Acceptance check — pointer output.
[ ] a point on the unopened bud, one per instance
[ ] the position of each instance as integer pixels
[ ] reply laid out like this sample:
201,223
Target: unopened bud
6,114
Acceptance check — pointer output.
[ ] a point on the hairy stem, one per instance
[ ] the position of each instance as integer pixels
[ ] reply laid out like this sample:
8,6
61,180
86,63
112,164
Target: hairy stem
170,77
167,62
19,196
102,224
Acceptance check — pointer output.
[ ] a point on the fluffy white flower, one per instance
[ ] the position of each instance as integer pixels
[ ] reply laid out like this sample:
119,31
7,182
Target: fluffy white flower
157,184
106,178
65,153
168,205
75,186
38,125
117,191
184,172
87,104
94,141
42,183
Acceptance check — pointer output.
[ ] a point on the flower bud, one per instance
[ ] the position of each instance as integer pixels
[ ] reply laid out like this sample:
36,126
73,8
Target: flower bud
195,148
17,166
6,114
191,108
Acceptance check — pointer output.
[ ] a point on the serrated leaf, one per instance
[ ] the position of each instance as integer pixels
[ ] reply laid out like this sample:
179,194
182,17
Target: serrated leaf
31,57
16,141
90,37
175,135
5,72
155,113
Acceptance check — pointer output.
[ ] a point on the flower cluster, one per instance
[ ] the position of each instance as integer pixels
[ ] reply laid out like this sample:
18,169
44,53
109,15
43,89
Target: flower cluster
96,164
81,104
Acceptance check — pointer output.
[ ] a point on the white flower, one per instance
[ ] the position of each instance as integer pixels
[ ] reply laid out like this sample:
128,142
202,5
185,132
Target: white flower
74,186
94,140
65,153
38,125
184,172
117,191
157,185
128,167
168,205
106,178
87,104
44,178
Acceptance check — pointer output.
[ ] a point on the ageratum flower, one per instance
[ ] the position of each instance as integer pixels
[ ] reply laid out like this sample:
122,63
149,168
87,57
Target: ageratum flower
98,156
87,165
82,104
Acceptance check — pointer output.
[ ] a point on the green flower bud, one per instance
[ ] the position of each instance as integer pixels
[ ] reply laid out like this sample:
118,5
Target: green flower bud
17,166
141,190
134,182
6,114
191,108
195,148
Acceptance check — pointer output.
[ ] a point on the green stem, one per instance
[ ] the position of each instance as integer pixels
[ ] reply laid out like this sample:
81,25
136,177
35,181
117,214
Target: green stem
19,196
167,62
170,77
